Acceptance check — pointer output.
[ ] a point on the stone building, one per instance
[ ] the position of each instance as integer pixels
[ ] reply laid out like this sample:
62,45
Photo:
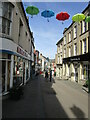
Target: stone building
16,49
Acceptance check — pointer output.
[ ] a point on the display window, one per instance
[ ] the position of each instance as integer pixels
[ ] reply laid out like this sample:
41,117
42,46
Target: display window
27,70
85,72
18,71
5,76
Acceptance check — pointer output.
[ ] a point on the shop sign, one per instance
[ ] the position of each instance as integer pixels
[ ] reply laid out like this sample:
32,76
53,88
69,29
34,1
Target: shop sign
20,51
75,59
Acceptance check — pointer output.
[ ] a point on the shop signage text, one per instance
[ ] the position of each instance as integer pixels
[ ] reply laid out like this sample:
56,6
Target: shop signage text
75,59
20,51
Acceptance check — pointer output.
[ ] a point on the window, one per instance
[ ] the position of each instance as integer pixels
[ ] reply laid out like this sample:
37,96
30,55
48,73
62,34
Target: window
58,49
69,36
61,59
65,40
85,72
26,33
58,60
81,46
6,17
84,41
75,31
64,52
81,27
75,49
20,26
84,26
69,51
61,48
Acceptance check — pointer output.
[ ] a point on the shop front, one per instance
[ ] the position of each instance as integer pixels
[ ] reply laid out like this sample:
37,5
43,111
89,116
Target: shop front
78,67
15,68
5,69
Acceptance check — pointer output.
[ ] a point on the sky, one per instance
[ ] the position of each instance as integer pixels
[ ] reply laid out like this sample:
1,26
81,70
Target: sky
47,34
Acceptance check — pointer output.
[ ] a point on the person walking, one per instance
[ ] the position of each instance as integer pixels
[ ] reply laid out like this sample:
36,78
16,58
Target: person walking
50,75
46,75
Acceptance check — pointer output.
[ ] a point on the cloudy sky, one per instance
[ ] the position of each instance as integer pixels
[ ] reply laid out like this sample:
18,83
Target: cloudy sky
46,34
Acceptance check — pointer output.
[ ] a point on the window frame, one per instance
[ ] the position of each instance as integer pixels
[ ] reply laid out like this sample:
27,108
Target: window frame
75,31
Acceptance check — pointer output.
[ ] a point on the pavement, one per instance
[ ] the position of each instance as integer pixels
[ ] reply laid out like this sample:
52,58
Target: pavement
45,99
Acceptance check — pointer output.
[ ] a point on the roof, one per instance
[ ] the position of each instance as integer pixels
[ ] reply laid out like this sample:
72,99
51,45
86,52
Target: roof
52,60
59,41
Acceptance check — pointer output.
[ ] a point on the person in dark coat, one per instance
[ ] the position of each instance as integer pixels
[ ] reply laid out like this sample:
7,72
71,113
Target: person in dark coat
50,75
46,74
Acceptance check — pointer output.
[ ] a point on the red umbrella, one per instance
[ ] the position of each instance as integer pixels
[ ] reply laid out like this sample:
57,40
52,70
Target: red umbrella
62,16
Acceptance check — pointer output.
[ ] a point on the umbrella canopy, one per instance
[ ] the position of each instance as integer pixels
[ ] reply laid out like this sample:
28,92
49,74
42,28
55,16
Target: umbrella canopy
32,10
78,17
87,19
62,16
47,14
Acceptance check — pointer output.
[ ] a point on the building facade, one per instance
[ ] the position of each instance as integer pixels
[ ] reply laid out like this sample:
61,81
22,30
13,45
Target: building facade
59,59
43,62
75,51
15,45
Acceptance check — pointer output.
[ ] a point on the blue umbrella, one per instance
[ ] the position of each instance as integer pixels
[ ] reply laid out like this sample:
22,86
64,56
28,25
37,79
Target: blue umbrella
47,14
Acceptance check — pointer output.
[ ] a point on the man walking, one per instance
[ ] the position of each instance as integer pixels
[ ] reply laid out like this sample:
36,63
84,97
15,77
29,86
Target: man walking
50,75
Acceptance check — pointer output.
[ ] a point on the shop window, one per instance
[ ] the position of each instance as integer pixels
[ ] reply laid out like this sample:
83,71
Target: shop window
18,71
85,72
3,75
27,70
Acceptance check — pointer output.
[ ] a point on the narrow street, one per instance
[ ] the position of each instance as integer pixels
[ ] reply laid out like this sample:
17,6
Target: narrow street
42,99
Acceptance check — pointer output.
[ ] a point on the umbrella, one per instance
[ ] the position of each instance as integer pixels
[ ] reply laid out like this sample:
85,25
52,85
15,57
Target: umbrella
62,16
32,10
78,17
47,14
87,19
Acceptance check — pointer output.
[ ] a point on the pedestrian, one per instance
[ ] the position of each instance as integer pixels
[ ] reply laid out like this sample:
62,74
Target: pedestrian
46,74
50,75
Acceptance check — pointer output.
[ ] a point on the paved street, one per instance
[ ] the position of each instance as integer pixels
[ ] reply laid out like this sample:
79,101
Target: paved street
42,99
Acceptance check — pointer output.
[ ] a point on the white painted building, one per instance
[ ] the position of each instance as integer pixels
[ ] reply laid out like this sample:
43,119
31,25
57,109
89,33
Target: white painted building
15,45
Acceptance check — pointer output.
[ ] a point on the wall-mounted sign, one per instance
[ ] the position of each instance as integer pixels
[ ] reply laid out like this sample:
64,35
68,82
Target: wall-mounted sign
83,57
20,51
75,59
